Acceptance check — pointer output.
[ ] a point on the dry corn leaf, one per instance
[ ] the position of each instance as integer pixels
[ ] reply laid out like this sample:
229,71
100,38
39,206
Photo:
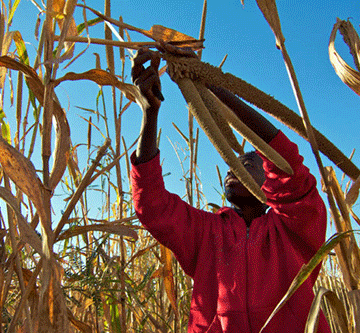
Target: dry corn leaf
338,311
306,270
7,40
347,74
27,233
168,276
67,26
157,32
348,251
351,38
22,172
103,78
62,129
2,29
142,252
269,10
52,307
80,325
353,193
110,228
354,297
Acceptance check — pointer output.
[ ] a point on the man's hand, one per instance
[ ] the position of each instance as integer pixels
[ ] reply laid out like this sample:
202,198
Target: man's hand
147,80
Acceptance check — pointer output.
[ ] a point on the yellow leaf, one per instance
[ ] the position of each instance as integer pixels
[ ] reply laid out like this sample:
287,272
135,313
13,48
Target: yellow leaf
166,258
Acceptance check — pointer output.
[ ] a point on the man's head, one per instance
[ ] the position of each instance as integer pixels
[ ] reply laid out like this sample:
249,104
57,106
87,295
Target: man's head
235,191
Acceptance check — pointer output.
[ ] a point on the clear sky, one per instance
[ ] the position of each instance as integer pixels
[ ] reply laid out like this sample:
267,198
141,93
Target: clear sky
242,33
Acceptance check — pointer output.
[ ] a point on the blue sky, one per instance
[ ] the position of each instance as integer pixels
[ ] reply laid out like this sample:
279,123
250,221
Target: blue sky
242,33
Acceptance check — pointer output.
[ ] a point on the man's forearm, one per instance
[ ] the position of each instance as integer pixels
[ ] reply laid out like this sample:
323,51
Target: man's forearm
254,120
147,147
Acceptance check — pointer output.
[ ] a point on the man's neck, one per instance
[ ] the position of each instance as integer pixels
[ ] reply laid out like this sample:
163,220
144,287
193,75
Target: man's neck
250,212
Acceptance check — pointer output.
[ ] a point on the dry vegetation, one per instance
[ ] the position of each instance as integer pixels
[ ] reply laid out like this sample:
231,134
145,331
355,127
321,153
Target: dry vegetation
77,273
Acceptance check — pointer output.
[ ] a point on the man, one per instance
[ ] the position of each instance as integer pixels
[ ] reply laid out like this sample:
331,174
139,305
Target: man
242,259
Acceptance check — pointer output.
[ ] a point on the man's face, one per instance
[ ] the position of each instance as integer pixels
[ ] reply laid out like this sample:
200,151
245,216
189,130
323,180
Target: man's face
234,189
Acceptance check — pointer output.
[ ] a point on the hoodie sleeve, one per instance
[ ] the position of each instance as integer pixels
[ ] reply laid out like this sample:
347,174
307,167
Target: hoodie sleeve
173,222
294,198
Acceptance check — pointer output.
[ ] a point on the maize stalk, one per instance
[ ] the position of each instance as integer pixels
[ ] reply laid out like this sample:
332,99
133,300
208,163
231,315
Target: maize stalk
210,99
204,119
181,67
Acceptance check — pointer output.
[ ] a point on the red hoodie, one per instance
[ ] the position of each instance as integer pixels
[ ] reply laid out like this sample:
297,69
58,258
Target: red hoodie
241,274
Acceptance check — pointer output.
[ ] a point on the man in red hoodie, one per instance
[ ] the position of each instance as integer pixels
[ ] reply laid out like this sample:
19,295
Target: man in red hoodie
242,259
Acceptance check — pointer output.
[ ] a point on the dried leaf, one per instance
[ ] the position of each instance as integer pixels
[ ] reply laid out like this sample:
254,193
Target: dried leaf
62,129
52,307
338,311
351,38
104,78
269,10
67,27
97,62
2,29
354,297
306,270
8,38
142,252
348,251
353,193
80,325
347,74
62,146
27,234
22,172
159,32
110,228
168,276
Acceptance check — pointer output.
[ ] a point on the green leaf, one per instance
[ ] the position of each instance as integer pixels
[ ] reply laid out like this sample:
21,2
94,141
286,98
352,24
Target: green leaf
12,11
5,131
115,316
81,27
